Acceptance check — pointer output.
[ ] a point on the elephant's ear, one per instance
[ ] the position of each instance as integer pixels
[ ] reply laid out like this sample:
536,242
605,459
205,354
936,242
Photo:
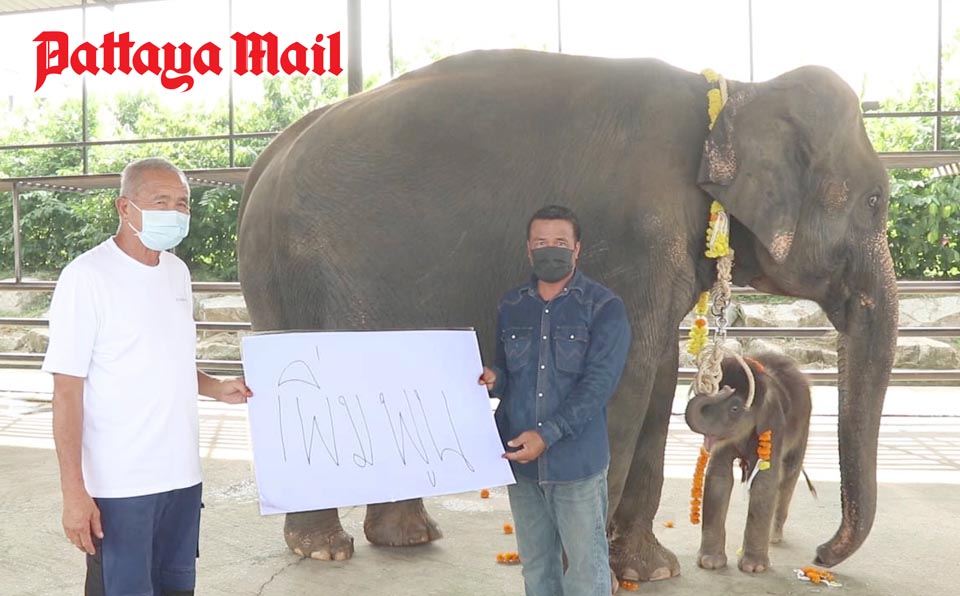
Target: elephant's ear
770,411
755,164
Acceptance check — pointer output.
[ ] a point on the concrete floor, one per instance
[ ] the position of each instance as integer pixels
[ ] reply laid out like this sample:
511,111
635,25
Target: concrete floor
911,551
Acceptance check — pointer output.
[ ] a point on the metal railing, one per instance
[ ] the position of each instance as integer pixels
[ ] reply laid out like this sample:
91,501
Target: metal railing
236,176
33,360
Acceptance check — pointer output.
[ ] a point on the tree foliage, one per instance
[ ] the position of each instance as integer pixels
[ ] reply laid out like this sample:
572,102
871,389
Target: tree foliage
58,226
924,223
924,220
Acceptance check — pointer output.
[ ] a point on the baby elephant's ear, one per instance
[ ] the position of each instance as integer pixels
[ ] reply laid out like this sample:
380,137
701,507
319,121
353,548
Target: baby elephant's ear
769,409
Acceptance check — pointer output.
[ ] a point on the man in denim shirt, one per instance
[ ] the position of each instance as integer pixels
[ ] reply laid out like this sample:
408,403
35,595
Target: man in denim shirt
562,343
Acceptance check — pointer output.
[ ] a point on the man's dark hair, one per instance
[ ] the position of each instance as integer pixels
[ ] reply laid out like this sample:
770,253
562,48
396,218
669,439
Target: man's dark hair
556,212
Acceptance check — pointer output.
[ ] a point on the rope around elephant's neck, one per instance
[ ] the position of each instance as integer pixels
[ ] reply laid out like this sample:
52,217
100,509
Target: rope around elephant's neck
710,356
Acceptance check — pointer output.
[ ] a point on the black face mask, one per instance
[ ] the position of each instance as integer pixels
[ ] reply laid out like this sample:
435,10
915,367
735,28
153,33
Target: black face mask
552,263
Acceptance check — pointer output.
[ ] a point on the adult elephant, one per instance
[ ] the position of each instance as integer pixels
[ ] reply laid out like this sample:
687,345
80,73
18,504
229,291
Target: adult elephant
406,207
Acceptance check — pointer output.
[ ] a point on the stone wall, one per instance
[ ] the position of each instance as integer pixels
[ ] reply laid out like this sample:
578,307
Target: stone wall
817,353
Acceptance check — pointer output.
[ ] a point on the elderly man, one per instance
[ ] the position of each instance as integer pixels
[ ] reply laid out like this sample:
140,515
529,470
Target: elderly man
123,357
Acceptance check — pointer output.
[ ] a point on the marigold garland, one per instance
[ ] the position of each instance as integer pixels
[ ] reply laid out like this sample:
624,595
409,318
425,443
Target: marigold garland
696,492
699,331
718,230
764,449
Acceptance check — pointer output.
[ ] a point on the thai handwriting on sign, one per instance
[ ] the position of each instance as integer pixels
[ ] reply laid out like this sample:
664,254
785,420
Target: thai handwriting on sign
176,64
330,425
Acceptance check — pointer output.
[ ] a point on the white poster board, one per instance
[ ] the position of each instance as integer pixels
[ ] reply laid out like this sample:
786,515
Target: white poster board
350,418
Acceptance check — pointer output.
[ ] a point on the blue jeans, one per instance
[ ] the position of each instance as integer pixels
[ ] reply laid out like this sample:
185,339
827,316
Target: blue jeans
149,546
562,517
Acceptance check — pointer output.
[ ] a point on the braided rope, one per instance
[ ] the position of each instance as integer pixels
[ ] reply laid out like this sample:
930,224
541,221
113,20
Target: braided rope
710,358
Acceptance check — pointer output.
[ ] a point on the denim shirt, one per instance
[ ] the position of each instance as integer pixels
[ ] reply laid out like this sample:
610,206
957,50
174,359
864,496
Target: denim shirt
557,365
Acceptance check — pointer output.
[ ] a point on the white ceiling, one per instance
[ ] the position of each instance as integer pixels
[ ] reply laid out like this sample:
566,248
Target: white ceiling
12,6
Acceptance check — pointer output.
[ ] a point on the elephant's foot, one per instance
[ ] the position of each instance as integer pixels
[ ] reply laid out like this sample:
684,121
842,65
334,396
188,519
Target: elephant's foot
640,557
404,523
318,535
754,563
708,560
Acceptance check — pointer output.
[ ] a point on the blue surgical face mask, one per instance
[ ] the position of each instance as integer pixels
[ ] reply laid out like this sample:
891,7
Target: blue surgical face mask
162,229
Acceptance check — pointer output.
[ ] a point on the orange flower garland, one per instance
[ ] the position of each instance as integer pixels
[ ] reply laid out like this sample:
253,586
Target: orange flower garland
764,450
697,491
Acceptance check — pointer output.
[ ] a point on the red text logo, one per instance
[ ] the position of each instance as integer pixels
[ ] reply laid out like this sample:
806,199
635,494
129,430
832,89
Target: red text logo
176,65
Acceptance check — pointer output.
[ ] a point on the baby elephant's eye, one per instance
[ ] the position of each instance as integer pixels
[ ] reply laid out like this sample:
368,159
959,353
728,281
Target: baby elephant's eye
735,409
873,200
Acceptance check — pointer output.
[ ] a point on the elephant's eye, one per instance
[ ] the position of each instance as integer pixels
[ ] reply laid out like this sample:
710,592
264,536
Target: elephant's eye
734,409
873,200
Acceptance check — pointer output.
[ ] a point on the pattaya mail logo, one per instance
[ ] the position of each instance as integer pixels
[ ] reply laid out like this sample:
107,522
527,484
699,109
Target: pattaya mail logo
175,65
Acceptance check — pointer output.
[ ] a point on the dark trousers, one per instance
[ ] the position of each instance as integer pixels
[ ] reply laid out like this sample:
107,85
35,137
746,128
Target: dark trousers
149,546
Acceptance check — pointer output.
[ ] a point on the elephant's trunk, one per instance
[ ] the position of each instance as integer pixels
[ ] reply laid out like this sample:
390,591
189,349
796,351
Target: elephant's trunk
708,425
868,338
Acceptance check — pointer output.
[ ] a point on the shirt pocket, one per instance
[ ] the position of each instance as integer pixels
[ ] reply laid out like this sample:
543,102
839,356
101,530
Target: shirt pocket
516,346
570,347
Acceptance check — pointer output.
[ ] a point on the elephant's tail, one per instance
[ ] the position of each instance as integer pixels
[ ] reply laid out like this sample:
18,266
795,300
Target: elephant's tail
813,490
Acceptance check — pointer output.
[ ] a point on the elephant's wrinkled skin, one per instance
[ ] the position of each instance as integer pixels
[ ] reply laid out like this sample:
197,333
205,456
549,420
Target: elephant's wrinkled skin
406,207
781,405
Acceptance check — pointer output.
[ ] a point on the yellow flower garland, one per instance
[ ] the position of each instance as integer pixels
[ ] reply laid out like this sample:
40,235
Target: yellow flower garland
699,331
718,230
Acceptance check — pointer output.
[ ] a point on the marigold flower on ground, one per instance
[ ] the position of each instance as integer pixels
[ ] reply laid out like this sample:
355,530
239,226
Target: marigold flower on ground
507,529
668,524
817,575
508,557
484,494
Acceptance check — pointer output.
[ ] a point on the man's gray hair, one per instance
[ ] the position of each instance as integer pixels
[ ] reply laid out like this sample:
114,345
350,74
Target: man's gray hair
132,175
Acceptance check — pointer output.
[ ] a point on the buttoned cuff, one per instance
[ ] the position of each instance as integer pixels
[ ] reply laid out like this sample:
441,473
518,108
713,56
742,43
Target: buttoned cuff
549,432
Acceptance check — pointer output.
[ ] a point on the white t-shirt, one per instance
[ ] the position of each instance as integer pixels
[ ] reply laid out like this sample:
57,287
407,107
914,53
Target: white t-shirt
128,329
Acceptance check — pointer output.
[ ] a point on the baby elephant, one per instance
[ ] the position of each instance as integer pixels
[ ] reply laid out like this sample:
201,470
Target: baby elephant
775,426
